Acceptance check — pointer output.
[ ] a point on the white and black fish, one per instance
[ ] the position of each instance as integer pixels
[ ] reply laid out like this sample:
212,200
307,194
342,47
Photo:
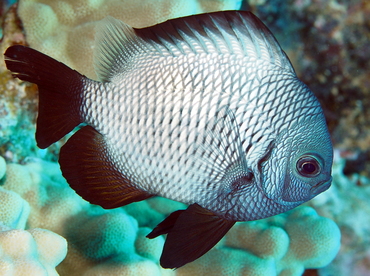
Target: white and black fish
205,109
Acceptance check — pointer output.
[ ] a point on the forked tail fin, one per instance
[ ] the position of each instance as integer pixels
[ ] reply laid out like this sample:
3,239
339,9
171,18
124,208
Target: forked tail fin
60,91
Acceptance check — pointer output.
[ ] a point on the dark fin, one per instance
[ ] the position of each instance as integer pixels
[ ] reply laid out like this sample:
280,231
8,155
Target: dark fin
193,233
60,90
231,32
225,32
165,226
85,163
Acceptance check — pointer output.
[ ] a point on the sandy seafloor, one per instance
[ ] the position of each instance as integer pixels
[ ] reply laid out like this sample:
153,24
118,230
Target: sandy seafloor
328,42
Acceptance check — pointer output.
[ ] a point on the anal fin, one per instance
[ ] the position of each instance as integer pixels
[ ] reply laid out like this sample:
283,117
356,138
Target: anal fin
191,234
85,163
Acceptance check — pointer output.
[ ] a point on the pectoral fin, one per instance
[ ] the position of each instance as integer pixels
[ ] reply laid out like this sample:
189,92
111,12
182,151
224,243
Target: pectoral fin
191,233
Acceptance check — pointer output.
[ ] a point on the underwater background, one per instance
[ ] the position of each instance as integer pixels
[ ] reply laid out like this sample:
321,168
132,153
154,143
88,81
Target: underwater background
47,229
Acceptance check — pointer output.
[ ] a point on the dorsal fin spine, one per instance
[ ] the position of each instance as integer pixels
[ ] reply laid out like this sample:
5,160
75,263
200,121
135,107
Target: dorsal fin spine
212,38
224,35
241,35
186,38
252,37
201,42
271,53
238,35
167,46
158,49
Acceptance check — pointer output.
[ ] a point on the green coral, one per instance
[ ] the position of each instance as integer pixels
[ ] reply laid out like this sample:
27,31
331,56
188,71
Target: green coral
283,245
25,252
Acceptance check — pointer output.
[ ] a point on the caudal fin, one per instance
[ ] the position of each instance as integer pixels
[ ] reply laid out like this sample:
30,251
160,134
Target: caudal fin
60,89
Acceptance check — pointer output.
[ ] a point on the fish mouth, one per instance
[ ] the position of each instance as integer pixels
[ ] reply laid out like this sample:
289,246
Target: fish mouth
321,187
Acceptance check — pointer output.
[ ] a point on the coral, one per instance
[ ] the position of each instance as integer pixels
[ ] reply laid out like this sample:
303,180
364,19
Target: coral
67,31
17,101
286,245
4,6
41,184
25,252
314,241
114,226
110,243
98,239
34,252
347,203
152,211
2,167
14,210
113,242
228,261
148,248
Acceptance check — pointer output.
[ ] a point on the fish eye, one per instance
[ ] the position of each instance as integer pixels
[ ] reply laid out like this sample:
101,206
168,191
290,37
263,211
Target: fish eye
308,166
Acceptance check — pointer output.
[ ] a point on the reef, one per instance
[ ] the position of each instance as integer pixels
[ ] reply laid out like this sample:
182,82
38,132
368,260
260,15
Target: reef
113,242
328,43
32,251
347,203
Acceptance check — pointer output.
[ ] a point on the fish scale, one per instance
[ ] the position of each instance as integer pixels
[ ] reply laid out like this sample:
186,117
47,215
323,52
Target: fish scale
147,143
206,110
146,102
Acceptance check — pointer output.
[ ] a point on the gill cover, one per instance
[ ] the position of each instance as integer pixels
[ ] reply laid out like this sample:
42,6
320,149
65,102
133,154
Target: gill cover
300,165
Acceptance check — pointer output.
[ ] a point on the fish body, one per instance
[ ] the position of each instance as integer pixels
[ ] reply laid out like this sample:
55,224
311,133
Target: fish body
206,110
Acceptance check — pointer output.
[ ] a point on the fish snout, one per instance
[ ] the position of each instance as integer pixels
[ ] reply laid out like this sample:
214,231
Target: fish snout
321,187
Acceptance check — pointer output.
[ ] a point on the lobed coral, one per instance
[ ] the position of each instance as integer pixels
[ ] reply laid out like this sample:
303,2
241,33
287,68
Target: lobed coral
97,239
113,242
34,252
18,104
347,203
286,244
25,252
14,210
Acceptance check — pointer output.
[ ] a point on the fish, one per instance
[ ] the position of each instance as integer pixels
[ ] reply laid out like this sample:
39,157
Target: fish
205,109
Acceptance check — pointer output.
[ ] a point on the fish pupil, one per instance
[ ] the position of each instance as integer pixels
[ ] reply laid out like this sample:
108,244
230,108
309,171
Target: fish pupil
308,166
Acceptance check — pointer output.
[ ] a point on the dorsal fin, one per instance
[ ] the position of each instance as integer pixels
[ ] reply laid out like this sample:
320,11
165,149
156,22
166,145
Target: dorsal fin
226,32
115,44
232,32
